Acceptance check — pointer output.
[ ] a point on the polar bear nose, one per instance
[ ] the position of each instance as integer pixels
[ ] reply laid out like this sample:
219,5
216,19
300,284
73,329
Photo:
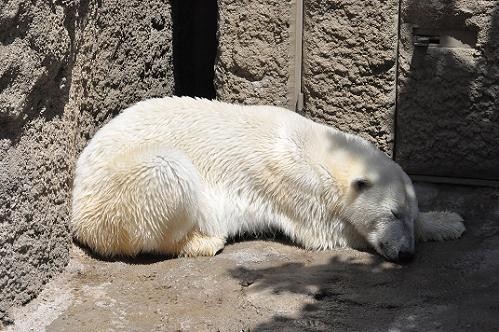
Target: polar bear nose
405,256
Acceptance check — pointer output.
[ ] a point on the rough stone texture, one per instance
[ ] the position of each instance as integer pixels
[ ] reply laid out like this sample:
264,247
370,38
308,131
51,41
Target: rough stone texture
349,63
131,43
254,64
66,68
448,103
270,286
349,59
35,149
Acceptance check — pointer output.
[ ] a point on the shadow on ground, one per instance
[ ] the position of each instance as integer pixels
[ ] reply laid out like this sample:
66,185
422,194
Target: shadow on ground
450,286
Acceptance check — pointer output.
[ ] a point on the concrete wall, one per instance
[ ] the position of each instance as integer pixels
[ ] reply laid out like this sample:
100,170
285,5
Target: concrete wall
349,62
255,62
448,110
67,67
448,96
124,56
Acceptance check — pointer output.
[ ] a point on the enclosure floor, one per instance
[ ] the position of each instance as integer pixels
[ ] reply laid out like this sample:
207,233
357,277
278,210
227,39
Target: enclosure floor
266,285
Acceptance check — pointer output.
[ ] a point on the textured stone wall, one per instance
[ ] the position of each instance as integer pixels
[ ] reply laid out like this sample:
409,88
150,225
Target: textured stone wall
67,67
254,63
448,110
349,61
349,66
35,147
124,56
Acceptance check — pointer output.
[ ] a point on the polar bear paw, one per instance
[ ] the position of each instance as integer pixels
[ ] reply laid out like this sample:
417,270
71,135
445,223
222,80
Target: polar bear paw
202,245
439,226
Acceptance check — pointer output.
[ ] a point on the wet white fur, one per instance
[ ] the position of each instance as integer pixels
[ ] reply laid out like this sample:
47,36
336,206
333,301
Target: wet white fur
179,176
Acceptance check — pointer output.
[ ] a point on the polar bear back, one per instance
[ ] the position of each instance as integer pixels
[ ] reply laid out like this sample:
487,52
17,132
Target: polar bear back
204,130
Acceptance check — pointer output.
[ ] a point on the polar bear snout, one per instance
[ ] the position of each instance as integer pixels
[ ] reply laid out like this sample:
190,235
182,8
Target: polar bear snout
403,252
394,240
405,256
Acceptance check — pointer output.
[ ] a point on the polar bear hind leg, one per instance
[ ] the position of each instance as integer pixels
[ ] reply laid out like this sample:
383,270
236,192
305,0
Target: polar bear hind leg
198,244
148,202
438,226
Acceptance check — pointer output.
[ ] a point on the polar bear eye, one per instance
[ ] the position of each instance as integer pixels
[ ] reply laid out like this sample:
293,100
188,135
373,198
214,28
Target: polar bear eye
397,214
360,184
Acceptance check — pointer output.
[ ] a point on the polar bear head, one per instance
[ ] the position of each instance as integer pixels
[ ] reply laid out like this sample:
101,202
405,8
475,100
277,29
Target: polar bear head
383,209
379,198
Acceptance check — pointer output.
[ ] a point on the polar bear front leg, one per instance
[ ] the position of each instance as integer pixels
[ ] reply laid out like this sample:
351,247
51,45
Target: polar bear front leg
438,226
198,244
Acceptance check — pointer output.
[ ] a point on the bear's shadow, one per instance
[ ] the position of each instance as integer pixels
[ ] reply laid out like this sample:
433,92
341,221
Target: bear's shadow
141,259
146,258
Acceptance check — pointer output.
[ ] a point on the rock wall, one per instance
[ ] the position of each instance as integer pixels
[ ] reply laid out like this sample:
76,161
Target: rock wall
124,56
67,67
349,66
349,61
448,110
36,152
255,62
356,72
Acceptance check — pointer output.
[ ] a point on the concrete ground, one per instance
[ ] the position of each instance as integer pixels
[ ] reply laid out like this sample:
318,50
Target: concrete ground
268,285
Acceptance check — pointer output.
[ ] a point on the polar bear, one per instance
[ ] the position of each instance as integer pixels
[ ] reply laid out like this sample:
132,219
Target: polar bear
178,176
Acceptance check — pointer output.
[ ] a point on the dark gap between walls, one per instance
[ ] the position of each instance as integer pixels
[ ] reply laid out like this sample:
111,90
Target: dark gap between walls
194,47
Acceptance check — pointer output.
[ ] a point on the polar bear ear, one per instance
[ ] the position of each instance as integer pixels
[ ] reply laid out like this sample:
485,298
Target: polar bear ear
360,184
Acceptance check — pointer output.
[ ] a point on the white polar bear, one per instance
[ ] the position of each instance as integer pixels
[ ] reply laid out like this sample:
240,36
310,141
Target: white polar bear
178,176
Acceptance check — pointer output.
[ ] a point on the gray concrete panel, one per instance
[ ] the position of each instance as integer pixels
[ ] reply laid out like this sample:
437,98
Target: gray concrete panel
349,61
254,64
448,100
